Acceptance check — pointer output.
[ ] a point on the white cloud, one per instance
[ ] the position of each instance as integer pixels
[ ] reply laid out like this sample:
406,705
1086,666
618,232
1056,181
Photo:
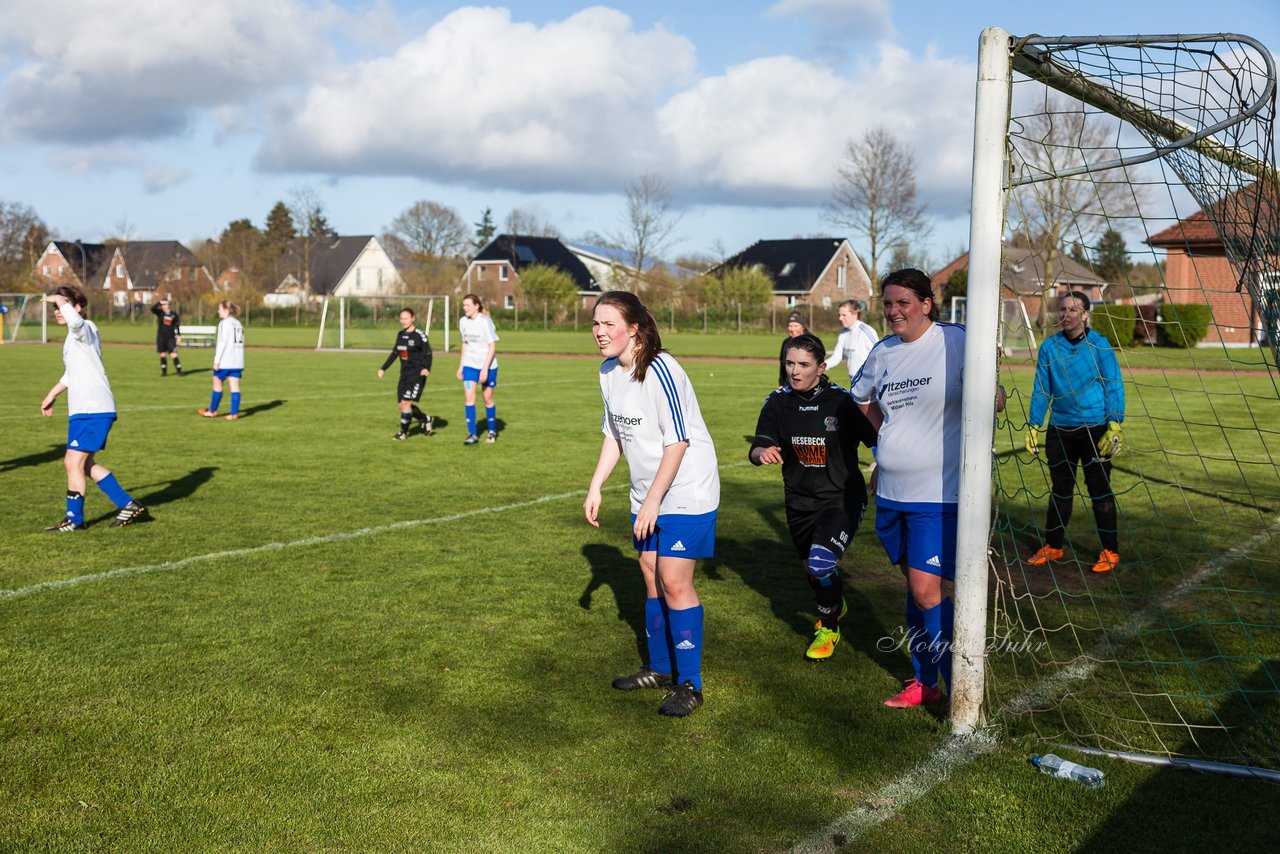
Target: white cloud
132,69
868,19
568,105
157,179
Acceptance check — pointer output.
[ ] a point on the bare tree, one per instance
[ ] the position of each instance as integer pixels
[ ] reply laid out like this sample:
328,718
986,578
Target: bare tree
430,230
23,236
875,196
528,222
1050,213
648,228
307,213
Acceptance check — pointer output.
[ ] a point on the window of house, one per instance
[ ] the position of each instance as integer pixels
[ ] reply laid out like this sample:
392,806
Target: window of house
791,301
119,271
503,275
787,268
1268,323
842,275
509,301
480,272
62,269
379,279
46,269
826,302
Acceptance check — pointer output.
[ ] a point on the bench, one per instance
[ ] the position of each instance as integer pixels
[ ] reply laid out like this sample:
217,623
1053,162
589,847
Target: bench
198,336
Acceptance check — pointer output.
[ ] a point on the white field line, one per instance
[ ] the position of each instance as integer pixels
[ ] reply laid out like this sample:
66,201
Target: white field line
960,750
341,536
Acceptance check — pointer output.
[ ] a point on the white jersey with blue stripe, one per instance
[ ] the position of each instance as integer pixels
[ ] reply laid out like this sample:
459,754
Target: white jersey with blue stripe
230,353
646,417
918,389
88,391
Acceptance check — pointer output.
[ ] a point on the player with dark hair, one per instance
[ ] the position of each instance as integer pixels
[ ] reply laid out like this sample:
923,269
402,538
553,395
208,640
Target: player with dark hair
228,360
91,410
1080,394
910,389
795,328
167,332
478,366
812,428
413,352
651,417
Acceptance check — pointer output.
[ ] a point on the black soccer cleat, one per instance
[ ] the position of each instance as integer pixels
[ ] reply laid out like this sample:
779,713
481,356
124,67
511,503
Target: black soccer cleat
130,513
473,439
401,436
66,526
682,700
645,677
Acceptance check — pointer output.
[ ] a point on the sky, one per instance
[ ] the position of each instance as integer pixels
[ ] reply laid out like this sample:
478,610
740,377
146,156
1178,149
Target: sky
168,119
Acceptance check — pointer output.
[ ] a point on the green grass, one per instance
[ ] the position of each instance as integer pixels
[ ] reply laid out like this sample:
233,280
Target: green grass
442,685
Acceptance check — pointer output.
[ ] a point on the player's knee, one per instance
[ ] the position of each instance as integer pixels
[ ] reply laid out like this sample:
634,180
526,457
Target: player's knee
821,565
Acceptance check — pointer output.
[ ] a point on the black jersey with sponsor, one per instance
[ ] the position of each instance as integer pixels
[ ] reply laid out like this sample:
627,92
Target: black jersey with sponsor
818,431
413,351
166,322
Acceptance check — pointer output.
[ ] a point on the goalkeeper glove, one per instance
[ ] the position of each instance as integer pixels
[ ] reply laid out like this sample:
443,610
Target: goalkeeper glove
1111,441
1033,441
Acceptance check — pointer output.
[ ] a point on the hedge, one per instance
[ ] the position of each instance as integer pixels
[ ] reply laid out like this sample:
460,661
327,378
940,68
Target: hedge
1185,325
1115,323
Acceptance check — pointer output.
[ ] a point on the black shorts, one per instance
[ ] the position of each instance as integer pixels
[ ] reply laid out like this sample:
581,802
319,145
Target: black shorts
832,526
167,344
410,387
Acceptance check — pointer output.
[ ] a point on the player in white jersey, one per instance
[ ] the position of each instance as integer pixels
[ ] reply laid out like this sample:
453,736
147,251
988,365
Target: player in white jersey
651,417
91,410
910,389
228,360
478,365
856,338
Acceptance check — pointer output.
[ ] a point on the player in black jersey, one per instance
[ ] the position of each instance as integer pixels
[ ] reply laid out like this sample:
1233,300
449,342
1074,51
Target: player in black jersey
414,354
167,332
812,428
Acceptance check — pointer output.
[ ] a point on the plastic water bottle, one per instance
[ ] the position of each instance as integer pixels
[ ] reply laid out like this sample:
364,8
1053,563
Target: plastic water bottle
1090,778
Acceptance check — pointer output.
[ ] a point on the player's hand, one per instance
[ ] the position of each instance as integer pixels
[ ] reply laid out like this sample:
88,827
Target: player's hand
770,456
591,507
46,406
380,373
425,372
1033,441
459,373
484,376
646,520
1112,441
873,478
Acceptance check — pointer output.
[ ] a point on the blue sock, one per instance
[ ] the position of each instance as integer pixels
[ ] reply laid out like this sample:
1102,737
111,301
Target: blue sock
686,632
114,491
655,632
471,420
929,648
75,507
214,400
491,415
235,402
948,633
915,637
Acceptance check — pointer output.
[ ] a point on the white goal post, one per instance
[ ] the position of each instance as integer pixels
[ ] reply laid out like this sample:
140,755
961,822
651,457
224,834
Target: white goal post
336,315
19,320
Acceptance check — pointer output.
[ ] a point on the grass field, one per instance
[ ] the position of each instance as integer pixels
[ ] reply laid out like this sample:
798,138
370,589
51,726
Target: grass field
327,640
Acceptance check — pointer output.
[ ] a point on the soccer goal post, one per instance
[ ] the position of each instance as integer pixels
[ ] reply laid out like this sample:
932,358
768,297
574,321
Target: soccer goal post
23,319
370,322
1139,172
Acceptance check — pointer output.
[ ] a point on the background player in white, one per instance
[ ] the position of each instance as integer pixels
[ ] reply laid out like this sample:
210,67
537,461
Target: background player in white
855,340
228,360
478,364
651,416
91,410
910,390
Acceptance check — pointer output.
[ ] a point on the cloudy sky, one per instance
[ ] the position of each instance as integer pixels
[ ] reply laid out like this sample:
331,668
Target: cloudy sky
170,118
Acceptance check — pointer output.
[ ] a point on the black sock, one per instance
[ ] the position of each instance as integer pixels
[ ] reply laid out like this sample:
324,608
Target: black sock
177,364
405,419
419,414
164,366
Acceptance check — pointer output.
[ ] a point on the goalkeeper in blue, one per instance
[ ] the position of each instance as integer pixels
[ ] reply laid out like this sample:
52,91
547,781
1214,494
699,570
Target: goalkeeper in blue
91,410
1077,407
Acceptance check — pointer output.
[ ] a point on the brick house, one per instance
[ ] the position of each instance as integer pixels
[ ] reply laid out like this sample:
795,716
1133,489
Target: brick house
1199,270
343,266
1022,277
129,273
812,273
494,273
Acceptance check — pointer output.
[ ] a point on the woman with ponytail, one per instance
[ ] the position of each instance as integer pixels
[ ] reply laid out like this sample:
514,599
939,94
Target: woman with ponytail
651,417
228,360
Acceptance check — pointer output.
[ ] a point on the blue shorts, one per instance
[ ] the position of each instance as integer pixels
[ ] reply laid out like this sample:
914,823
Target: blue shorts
224,373
472,375
680,535
88,433
925,539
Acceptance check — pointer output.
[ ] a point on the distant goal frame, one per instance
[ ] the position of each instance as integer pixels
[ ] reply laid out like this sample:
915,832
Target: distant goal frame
342,316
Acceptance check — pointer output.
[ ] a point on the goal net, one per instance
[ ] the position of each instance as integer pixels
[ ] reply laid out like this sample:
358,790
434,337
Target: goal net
22,319
372,322
1140,171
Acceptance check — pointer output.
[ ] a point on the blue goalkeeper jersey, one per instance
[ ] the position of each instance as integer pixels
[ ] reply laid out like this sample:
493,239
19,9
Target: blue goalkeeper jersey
1077,382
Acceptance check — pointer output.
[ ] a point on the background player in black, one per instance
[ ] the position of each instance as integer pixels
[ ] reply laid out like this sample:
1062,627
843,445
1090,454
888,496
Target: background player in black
414,354
812,428
167,332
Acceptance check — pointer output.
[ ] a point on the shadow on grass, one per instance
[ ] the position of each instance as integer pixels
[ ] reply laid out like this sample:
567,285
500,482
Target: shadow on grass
1177,809
168,491
621,574
55,452
194,371
261,407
